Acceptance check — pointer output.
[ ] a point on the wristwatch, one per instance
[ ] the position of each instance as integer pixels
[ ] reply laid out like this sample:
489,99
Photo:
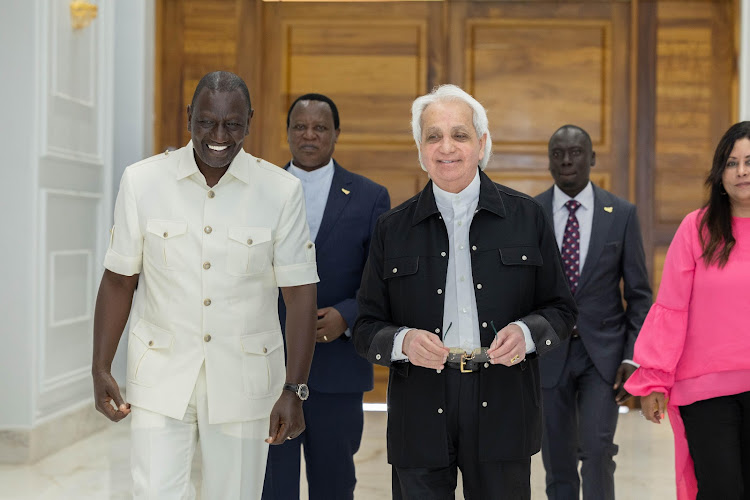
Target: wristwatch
300,390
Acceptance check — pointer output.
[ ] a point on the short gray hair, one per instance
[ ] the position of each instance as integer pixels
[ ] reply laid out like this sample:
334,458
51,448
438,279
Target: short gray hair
451,93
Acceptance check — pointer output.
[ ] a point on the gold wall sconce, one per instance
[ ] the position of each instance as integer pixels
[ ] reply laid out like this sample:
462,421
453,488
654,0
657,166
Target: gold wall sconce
81,14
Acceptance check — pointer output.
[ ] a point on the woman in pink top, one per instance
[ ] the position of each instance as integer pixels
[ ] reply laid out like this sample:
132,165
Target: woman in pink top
694,347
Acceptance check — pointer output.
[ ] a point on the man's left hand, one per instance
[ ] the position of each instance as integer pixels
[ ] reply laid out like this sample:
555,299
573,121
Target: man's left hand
287,419
623,374
509,346
330,326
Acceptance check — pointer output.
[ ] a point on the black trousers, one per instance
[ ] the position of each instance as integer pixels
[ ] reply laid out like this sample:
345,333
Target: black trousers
505,480
718,435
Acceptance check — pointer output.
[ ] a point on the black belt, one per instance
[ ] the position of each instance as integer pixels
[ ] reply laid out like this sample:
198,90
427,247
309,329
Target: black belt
467,361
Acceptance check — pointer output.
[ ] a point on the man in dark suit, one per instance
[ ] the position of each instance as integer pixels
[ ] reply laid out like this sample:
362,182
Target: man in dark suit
582,381
342,208
462,290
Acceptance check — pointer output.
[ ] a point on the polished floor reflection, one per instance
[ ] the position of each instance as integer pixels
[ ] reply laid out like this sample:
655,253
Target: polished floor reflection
98,467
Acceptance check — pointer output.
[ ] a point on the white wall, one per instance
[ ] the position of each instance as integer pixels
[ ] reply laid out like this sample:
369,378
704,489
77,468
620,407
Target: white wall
57,167
17,204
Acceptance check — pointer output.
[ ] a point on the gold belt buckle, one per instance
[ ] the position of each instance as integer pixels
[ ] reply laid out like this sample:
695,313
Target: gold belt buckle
464,358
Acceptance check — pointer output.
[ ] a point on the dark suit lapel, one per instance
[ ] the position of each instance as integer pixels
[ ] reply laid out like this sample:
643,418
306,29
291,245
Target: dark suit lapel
600,225
545,199
338,198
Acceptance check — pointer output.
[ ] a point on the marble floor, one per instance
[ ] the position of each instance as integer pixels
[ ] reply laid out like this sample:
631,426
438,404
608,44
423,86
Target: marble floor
98,467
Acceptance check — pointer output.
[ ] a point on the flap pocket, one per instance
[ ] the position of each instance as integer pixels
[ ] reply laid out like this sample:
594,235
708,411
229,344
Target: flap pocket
250,236
400,266
262,344
153,336
521,256
166,229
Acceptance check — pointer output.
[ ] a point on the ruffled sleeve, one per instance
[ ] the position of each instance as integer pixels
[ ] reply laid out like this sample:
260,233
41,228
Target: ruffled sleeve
662,337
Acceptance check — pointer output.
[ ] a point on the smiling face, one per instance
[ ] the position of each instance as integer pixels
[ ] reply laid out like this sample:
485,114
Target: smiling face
450,148
736,178
570,160
218,123
311,134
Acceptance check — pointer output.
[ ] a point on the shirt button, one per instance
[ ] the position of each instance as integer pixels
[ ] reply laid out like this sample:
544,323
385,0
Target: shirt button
166,234
437,330
395,270
440,410
486,365
484,324
461,247
442,254
479,286
150,343
207,302
548,342
459,223
523,257
206,265
484,404
207,229
439,291
377,356
474,247
439,371
249,241
309,245
265,350
463,310
207,337
211,194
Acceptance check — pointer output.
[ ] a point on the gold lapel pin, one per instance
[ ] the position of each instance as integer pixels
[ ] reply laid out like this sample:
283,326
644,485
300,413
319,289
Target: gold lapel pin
345,191
608,210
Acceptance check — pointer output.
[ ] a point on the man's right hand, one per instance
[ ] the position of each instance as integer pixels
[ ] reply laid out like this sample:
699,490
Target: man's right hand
106,390
425,349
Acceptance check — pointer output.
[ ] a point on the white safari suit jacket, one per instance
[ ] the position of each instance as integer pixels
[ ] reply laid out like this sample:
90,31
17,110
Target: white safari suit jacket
210,262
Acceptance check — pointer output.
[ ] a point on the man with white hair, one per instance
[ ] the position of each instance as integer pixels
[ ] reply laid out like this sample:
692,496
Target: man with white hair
462,291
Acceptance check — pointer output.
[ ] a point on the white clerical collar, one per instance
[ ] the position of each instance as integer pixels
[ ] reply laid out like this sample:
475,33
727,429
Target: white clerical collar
585,198
313,175
467,196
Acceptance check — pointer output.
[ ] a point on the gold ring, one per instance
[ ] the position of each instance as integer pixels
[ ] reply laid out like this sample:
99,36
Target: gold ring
325,338
514,359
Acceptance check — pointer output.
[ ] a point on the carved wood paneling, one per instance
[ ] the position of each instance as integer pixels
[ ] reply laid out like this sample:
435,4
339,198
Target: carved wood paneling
536,75
692,101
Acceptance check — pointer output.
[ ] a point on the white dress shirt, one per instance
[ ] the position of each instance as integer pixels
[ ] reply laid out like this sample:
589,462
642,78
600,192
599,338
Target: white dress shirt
460,316
316,185
584,214
211,260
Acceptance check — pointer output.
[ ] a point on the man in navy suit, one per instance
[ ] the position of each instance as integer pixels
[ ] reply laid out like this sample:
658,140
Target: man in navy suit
342,209
582,380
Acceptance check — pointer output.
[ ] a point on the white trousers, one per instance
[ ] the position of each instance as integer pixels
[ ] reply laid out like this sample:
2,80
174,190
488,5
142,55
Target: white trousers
162,448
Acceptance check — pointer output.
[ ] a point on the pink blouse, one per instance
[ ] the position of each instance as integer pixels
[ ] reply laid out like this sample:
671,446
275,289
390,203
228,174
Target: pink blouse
695,341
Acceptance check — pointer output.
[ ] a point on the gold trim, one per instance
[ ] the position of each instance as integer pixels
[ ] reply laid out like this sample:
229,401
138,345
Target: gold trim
82,13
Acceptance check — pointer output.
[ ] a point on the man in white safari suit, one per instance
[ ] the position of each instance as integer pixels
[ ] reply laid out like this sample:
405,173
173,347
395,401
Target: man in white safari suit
207,234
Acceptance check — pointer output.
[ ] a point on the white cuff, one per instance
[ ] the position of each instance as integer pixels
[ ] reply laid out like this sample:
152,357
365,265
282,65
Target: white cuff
631,362
397,354
530,345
